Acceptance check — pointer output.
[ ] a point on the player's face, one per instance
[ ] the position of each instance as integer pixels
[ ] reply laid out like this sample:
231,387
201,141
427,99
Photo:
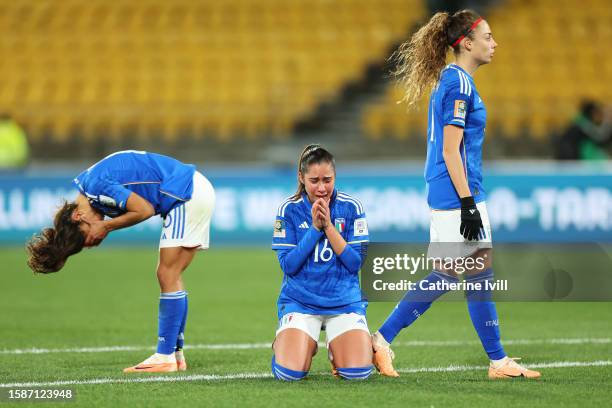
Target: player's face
319,181
483,44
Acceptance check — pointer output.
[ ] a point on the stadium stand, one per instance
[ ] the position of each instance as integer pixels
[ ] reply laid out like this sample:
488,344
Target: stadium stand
100,69
550,56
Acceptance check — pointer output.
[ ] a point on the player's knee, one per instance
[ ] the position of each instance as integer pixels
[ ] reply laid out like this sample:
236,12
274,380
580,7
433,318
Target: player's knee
355,373
286,374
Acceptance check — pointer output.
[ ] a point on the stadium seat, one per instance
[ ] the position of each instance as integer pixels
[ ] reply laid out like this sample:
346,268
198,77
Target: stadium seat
236,67
548,60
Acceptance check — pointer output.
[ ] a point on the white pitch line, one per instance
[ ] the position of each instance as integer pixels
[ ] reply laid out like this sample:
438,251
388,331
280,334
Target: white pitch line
247,376
178,378
255,346
36,350
554,364
510,342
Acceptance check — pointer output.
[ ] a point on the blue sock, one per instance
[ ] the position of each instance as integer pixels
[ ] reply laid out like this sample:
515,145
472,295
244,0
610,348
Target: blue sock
180,340
484,315
355,373
415,303
171,312
285,374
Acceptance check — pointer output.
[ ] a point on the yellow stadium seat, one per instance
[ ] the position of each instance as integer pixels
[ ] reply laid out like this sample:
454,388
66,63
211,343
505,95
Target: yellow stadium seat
549,58
243,57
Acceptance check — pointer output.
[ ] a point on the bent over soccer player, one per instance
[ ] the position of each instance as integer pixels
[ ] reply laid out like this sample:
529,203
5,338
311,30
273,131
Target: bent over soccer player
459,221
320,239
130,187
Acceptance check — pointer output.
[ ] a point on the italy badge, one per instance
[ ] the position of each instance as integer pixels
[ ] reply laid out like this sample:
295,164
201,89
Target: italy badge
340,224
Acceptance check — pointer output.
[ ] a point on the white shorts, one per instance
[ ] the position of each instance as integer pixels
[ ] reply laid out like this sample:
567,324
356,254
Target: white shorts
445,238
188,224
334,325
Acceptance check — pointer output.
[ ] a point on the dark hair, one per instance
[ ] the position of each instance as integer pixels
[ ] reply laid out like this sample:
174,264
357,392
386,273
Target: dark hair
589,108
50,249
420,59
312,154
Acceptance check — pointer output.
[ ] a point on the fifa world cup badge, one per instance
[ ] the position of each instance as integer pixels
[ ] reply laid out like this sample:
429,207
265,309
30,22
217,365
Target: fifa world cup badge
460,109
279,229
340,224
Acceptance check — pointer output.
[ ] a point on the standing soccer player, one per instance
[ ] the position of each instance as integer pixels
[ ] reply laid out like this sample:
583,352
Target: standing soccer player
459,221
320,238
130,187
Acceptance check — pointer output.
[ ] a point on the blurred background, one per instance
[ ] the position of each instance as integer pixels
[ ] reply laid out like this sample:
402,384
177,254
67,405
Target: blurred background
240,86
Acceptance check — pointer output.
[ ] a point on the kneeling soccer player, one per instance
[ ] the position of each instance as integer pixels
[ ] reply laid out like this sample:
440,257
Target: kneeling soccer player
130,187
320,259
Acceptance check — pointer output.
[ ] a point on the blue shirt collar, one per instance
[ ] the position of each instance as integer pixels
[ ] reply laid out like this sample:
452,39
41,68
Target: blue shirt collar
460,69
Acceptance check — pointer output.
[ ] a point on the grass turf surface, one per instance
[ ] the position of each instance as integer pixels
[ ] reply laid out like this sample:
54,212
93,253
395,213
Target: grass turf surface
108,297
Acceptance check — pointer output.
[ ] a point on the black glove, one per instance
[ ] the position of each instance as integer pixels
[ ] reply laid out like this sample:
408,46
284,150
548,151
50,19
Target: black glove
471,223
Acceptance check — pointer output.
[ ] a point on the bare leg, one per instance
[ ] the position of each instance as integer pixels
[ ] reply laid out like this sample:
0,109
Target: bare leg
294,349
172,263
352,349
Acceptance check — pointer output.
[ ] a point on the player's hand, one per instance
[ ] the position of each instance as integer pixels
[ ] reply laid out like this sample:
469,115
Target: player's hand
324,213
471,223
97,231
317,221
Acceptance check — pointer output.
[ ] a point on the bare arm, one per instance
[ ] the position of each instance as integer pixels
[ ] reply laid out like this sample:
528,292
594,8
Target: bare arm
138,210
471,223
335,239
453,135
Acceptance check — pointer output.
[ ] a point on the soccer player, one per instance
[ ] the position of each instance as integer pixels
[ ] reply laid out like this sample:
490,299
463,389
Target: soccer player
459,221
129,187
320,238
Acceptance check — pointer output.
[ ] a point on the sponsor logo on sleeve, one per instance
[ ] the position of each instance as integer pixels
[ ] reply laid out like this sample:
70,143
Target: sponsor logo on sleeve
360,228
279,229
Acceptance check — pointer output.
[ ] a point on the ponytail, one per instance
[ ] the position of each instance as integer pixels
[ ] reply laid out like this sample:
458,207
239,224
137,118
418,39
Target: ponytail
420,60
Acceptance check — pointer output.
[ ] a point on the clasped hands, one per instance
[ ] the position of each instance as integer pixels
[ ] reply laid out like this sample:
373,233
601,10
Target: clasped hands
321,214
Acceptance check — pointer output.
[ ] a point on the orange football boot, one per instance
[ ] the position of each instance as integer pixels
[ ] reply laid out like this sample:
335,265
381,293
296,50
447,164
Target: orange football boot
333,370
157,363
511,369
383,356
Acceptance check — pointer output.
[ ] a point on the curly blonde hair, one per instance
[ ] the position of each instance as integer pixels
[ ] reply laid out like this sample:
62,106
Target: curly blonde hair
420,59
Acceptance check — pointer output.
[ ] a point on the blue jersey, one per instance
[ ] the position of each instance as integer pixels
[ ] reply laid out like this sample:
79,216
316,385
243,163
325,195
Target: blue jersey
454,101
322,283
161,180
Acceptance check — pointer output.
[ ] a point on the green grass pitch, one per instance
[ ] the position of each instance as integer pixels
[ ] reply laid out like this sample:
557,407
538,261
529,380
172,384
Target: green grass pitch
108,297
